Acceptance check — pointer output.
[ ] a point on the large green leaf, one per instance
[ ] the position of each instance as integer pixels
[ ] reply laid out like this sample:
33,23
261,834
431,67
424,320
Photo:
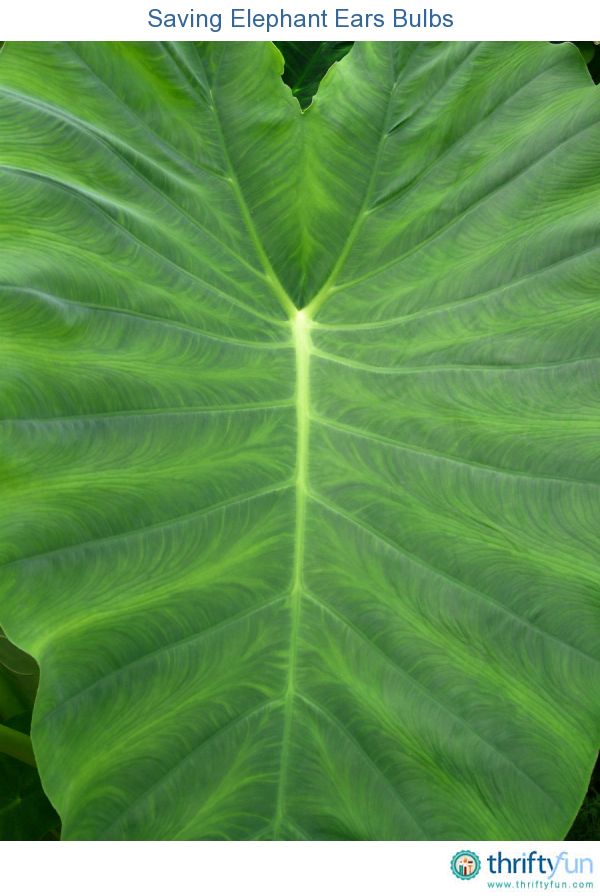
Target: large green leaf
319,574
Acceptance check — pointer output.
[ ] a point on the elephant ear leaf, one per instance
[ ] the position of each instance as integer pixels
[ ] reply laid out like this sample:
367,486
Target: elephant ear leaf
301,483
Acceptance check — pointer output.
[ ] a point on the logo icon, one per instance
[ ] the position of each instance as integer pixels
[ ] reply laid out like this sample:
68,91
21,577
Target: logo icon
465,864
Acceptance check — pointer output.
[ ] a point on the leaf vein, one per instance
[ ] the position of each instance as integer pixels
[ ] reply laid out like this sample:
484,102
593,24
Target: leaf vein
442,574
424,690
143,530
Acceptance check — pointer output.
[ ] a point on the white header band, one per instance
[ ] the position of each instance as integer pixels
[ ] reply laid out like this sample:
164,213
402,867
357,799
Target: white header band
299,20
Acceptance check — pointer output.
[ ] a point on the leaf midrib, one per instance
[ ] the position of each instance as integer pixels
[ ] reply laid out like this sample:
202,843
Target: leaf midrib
301,330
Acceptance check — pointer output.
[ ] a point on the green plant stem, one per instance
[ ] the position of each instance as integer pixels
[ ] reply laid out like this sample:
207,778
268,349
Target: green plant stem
16,744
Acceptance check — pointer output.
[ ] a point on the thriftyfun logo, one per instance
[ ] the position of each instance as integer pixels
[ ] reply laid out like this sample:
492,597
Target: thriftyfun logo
534,863
465,864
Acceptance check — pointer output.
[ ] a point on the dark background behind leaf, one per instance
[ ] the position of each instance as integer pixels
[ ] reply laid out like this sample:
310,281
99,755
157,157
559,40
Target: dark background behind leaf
591,53
306,63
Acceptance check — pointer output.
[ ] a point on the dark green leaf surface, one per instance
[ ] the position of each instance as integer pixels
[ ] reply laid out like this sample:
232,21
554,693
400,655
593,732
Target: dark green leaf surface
19,678
324,574
15,661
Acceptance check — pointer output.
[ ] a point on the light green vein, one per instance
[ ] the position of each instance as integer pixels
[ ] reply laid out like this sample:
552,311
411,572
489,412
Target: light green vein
301,329
164,649
327,288
458,219
264,706
168,149
442,574
190,410
146,247
280,292
152,319
153,527
460,303
438,455
111,143
365,756
429,695
447,368
482,123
